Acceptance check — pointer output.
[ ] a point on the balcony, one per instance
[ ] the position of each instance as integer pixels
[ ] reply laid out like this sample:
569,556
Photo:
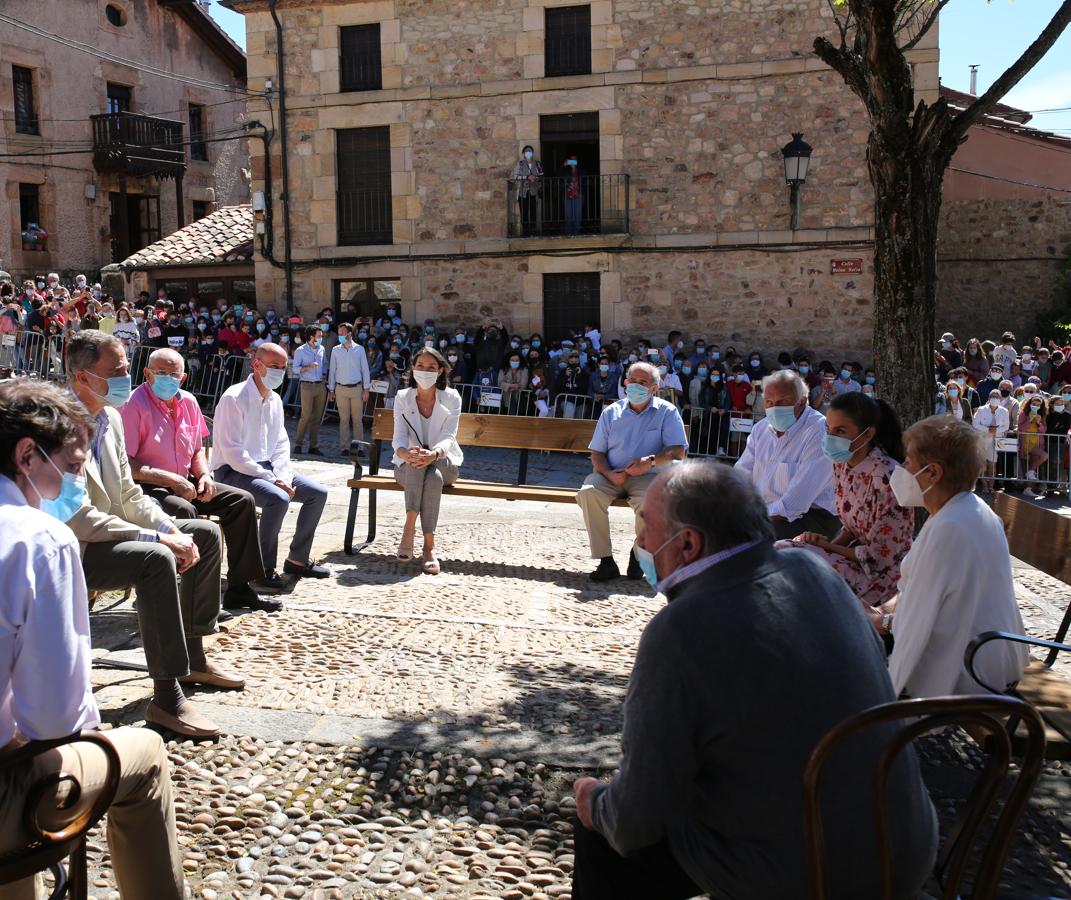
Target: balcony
131,144
603,207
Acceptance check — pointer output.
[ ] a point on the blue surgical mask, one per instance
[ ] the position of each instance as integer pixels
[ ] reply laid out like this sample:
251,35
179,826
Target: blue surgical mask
845,373
804,370
537,344
343,339
870,379
646,559
202,325
71,494
836,448
165,386
686,370
118,389
604,368
528,154
678,363
637,394
702,371
571,163
662,370
514,363
715,355
781,417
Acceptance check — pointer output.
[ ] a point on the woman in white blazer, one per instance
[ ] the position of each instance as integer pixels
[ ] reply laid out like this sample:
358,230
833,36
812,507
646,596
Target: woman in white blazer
426,452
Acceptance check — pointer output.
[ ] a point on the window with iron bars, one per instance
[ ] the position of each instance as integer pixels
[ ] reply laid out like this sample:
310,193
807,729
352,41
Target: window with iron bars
25,108
198,147
567,46
360,65
570,301
363,178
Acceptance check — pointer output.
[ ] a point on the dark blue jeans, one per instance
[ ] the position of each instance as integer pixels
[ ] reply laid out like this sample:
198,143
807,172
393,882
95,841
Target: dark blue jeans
274,502
572,215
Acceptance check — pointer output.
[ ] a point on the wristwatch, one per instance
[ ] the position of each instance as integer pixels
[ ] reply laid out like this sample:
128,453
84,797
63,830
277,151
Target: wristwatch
886,623
653,458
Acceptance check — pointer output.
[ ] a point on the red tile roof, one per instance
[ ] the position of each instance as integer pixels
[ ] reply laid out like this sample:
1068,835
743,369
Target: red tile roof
223,236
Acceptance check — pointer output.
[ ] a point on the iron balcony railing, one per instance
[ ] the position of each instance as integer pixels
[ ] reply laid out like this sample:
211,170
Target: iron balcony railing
544,209
137,144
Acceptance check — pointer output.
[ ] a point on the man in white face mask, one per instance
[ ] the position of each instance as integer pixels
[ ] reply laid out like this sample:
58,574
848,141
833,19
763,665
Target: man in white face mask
251,451
688,812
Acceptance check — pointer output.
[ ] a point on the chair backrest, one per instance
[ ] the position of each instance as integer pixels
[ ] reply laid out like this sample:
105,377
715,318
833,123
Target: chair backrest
48,847
511,432
1037,536
982,714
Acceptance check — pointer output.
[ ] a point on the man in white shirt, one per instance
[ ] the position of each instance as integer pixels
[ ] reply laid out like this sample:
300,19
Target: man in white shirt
45,688
251,451
784,460
348,385
1005,354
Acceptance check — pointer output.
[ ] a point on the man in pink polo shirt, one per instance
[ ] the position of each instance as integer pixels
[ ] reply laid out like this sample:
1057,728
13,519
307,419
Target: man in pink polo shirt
164,440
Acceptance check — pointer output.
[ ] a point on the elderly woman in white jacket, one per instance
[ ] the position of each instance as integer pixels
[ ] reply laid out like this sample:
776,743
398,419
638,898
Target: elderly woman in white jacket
426,452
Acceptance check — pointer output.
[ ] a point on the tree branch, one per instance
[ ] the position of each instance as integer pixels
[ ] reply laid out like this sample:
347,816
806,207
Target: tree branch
1011,77
845,63
926,26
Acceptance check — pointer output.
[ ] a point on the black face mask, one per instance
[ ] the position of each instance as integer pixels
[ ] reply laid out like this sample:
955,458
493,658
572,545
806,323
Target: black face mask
1004,393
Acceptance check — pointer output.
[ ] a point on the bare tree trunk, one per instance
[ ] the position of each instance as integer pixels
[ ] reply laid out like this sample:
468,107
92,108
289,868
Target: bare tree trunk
907,189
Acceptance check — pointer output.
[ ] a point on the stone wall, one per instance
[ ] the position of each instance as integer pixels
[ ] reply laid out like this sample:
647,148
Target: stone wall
693,104
998,264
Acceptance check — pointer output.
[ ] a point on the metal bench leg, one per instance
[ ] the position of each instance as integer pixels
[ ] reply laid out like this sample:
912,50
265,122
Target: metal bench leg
351,521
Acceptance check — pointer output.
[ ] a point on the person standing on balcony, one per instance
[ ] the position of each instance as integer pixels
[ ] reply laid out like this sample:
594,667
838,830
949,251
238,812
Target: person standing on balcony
574,199
528,176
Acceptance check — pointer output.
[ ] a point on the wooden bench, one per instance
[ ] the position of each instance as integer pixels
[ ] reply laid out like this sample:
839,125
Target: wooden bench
523,433
1041,538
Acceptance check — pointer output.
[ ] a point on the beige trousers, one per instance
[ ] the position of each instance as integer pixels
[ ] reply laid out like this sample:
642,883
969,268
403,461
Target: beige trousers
595,497
141,821
313,401
350,403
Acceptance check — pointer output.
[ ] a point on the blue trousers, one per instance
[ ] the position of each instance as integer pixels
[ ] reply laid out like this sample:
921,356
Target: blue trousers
274,502
573,206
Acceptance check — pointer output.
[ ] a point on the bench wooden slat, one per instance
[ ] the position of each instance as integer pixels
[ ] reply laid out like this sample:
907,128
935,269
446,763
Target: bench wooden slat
487,489
1042,687
1037,536
508,432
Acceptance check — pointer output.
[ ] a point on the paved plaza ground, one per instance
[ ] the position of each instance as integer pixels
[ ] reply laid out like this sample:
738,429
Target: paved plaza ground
404,735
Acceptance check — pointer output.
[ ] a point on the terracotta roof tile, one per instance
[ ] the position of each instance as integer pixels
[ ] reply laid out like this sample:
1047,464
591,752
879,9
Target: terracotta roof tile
225,235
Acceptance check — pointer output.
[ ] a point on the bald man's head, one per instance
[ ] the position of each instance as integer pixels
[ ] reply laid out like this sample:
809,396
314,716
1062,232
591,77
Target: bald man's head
272,355
166,361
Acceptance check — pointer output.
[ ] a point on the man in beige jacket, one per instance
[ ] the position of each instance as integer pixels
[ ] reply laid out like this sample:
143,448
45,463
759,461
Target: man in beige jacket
128,541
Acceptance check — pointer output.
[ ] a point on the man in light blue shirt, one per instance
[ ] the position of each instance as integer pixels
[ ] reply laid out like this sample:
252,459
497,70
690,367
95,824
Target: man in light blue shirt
634,439
348,384
309,366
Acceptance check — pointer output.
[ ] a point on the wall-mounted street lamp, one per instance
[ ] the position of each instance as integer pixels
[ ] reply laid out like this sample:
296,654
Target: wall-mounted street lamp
797,155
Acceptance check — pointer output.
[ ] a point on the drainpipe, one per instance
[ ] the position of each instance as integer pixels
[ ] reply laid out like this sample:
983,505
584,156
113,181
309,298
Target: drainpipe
280,65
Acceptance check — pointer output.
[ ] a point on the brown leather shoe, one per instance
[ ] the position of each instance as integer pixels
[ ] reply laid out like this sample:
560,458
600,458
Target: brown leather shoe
214,676
189,722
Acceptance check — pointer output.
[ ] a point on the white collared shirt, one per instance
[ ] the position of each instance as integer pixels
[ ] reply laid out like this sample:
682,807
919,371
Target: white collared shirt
250,430
790,472
349,365
45,687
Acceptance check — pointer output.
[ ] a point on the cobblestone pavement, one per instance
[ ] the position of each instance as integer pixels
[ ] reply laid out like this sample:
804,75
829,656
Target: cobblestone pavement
403,735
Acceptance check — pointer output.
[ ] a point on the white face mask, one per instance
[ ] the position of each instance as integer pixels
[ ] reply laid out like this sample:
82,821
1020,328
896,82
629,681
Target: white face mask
425,379
905,487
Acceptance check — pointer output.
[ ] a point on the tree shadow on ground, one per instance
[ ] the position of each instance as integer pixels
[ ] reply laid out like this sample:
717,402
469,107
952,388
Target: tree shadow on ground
385,563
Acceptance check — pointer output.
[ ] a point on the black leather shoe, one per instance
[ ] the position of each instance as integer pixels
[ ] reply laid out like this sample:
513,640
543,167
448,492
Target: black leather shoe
244,597
309,570
633,572
272,583
606,571
297,449
314,451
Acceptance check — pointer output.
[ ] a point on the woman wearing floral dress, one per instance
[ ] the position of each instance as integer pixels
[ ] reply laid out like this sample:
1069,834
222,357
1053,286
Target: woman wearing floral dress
864,440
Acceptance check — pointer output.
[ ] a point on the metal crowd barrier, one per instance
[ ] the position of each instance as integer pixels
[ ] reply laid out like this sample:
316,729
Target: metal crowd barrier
1011,466
32,353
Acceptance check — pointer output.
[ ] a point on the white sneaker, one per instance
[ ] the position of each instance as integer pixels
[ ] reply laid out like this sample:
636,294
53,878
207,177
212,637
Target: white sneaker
1030,495
1031,474
721,451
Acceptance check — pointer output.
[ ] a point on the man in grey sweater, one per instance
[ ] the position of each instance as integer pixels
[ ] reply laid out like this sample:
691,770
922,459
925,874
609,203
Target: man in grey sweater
758,653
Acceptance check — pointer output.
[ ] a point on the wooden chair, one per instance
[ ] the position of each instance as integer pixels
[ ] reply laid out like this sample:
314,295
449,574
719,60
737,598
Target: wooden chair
47,849
1040,538
918,717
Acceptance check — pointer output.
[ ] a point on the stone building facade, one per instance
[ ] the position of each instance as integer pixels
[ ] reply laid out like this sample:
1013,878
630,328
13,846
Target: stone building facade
691,103
65,62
